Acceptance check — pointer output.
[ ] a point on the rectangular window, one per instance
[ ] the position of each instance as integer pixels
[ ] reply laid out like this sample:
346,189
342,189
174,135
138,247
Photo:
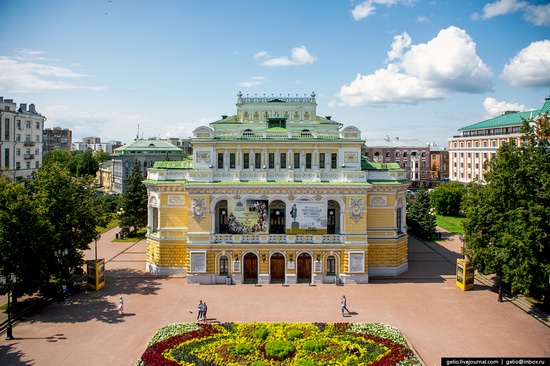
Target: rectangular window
322,161
18,137
18,152
271,160
7,129
220,160
37,125
232,160
334,161
6,157
28,124
19,124
37,138
296,160
283,160
246,161
308,160
258,161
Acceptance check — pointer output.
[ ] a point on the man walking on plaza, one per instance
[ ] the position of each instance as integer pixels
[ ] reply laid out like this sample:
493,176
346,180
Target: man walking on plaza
344,303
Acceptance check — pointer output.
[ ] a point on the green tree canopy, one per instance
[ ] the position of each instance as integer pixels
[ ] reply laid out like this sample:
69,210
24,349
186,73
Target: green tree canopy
420,216
72,212
446,198
507,227
22,239
134,201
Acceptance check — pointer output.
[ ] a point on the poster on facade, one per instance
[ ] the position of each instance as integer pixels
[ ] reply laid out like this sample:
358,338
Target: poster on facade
248,217
306,217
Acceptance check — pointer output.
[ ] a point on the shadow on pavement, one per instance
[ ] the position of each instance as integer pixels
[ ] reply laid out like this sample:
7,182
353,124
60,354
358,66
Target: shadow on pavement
10,357
88,305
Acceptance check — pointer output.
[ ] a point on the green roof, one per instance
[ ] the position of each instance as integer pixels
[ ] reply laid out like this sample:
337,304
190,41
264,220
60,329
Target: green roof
366,164
148,146
509,119
182,164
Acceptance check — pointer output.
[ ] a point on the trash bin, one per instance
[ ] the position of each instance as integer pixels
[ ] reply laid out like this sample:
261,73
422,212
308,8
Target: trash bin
228,280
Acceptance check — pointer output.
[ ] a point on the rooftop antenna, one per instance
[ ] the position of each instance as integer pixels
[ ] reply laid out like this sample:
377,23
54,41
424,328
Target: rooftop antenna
137,136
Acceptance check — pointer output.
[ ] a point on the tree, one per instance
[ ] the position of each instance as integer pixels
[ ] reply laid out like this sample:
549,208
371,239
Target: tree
85,163
134,201
21,252
446,198
72,212
100,156
507,226
421,216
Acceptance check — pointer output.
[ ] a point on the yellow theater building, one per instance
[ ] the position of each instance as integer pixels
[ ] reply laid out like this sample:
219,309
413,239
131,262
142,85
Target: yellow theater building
276,194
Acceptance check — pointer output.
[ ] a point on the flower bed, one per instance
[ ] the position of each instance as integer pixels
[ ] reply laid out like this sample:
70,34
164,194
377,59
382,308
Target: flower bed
270,344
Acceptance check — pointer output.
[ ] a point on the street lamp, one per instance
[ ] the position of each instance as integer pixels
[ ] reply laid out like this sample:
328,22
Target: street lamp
97,237
4,281
120,214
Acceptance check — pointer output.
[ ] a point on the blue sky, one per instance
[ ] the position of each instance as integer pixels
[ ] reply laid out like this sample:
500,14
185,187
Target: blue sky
400,68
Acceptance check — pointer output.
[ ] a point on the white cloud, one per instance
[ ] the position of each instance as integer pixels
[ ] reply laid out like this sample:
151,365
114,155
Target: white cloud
21,76
494,108
538,15
261,54
399,43
422,19
502,7
257,80
386,86
422,72
449,61
299,56
368,7
530,67
363,10
535,14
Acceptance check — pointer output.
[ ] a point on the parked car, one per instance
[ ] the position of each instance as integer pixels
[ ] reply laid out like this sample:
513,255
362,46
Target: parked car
410,194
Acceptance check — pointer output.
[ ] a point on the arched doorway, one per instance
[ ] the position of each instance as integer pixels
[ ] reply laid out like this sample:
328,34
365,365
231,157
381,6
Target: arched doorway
333,218
277,268
250,268
304,268
277,217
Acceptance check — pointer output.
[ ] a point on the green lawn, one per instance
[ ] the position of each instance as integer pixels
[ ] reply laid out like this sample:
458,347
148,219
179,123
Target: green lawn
451,223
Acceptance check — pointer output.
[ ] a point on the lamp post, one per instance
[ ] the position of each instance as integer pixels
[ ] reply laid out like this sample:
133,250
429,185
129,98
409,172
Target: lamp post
120,214
97,237
6,281
499,274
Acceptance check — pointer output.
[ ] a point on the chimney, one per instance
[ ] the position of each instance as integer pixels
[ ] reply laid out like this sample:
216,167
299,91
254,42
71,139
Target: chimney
23,106
224,116
31,108
328,117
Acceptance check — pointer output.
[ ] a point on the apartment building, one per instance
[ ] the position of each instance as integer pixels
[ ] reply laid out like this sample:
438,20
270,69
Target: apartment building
21,139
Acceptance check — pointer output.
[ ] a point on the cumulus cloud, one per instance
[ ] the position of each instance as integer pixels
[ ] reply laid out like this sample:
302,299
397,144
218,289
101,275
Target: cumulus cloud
256,80
535,14
299,56
261,54
421,72
21,74
530,67
493,108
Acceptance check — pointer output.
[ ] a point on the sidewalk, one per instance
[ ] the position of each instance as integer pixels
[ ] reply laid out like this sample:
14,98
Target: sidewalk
439,319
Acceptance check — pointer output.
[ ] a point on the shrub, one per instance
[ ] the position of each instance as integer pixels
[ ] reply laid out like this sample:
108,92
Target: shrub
279,349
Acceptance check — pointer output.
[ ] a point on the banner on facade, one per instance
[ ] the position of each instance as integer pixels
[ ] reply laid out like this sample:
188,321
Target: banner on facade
248,217
305,217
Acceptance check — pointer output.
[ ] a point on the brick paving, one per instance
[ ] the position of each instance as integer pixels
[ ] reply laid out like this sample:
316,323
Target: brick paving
437,317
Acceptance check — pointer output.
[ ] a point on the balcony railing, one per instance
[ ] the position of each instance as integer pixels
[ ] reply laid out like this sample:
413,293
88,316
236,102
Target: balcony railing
28,156
29,143
276,238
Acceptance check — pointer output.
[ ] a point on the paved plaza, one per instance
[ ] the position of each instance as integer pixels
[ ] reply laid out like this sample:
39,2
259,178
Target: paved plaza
437,317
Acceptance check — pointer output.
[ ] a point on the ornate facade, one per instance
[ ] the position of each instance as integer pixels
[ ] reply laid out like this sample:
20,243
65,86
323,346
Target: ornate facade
276,194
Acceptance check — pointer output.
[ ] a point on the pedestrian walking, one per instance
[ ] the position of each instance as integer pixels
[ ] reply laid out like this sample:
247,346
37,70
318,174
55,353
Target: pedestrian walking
343,302
204,310
199,310
120,305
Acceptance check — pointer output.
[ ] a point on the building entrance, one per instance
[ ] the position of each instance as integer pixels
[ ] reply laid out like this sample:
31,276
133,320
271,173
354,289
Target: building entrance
250,268
304,268
277,268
